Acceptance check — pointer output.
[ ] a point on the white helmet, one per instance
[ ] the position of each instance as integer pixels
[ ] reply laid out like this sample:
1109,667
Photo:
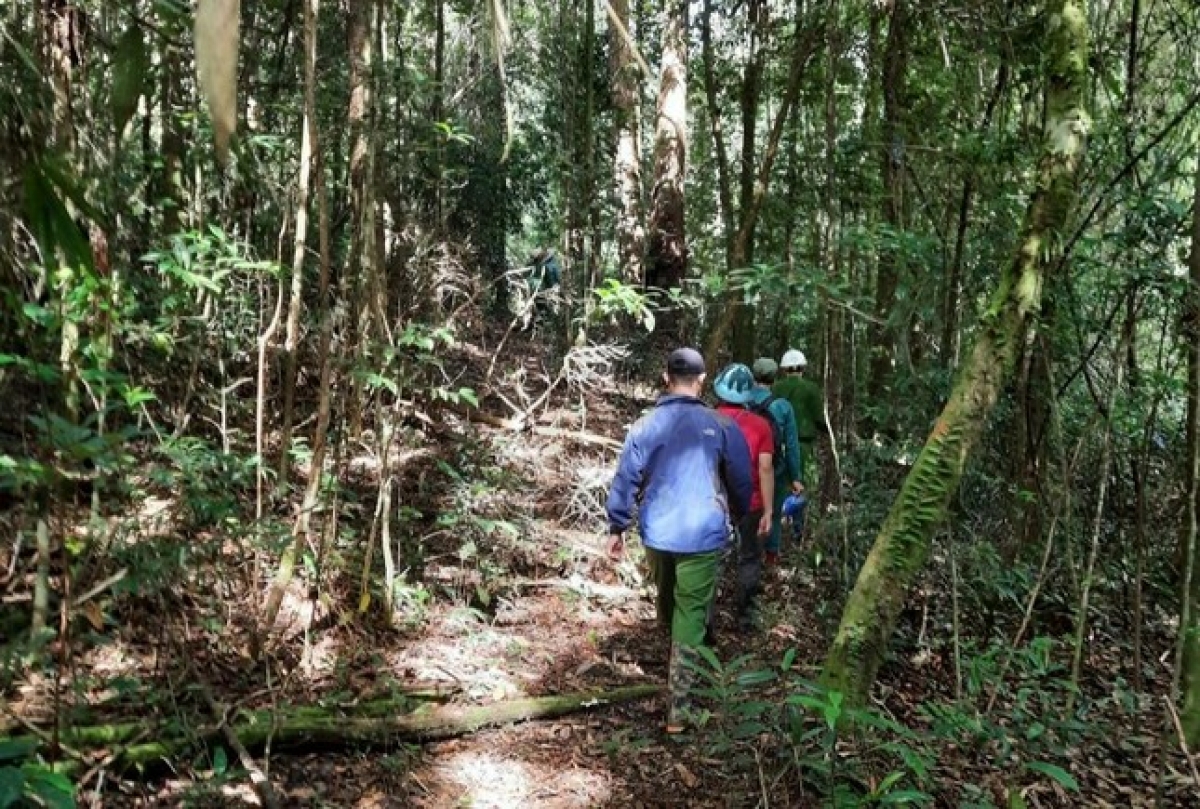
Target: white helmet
793,359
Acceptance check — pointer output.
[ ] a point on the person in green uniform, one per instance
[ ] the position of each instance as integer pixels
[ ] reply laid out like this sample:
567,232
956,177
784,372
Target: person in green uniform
805,398
789,461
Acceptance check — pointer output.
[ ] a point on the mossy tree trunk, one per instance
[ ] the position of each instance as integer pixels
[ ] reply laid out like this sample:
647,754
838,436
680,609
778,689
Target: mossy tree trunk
387,722
903,543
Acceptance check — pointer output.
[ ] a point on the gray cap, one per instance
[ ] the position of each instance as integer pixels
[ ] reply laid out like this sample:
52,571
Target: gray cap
765,368
685,362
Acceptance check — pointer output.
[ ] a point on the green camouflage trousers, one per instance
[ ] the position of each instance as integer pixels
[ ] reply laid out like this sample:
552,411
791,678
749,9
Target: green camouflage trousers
686,585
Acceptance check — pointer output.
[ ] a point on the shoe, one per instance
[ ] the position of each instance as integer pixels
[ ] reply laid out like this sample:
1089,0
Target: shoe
677,717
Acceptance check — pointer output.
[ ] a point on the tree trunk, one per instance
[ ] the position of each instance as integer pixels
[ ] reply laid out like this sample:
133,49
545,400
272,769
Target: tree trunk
1189,619
358,266
308,147
833,366
438,111
743,342
171,188
300,242
892,154
59,38
716,129
587,159
903,543
952,299
667,249
631,227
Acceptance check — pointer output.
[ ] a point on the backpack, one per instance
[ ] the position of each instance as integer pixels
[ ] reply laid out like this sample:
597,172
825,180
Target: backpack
763,409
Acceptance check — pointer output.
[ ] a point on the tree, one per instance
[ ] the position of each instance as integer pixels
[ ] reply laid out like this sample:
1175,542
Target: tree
667,248
903,543
1189,598
627,165
737,315
892,160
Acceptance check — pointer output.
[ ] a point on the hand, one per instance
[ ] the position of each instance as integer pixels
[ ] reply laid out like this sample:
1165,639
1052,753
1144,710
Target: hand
764,524
616,547
797,487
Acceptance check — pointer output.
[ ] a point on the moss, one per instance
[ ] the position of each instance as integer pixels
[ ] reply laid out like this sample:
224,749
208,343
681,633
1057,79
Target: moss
903,544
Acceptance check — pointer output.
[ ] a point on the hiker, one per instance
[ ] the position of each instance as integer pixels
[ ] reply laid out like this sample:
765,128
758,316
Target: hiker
789,464
734,386
687,470
543,273
805,398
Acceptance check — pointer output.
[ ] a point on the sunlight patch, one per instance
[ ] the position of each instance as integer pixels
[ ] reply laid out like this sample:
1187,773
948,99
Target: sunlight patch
492,782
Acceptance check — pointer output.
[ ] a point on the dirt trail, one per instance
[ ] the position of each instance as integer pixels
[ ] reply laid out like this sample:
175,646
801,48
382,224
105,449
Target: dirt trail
584,626
515,599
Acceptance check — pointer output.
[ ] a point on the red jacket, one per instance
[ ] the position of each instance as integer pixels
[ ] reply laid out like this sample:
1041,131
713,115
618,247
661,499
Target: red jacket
760,438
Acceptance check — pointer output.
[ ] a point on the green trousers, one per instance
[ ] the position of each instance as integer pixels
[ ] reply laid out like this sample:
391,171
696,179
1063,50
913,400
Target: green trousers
686,584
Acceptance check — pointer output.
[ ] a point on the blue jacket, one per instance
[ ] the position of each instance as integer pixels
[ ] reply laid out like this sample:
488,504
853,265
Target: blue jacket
783,414
687,470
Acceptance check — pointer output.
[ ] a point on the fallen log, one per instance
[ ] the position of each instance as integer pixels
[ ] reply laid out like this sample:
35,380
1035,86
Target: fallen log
308,726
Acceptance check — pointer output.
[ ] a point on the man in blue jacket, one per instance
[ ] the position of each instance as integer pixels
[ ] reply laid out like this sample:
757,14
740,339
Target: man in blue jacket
687,470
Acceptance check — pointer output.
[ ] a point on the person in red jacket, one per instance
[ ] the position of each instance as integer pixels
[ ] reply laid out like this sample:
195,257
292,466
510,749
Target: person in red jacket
734,386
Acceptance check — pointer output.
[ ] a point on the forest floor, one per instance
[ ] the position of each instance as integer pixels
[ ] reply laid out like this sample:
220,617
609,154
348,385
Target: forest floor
516,598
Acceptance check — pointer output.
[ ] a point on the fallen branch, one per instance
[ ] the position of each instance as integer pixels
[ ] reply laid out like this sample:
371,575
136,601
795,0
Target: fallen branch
258,779
585,587
1183,745
522,425
100,588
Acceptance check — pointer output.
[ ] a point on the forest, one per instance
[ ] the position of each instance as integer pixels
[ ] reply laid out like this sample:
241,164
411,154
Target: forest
323,326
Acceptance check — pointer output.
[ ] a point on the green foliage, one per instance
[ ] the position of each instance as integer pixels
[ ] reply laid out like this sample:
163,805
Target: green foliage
210,482
26,782
414,363
880,763
614,298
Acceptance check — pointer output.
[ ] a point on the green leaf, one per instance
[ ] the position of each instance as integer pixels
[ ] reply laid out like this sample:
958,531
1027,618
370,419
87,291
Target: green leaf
887,783
220,761
753,678
789,657
904,796
131,63
12,785
48,219
54,789
16,749
1064,778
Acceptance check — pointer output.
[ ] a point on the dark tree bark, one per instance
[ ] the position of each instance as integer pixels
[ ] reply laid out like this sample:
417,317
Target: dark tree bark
893,157
743,248
1189,622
